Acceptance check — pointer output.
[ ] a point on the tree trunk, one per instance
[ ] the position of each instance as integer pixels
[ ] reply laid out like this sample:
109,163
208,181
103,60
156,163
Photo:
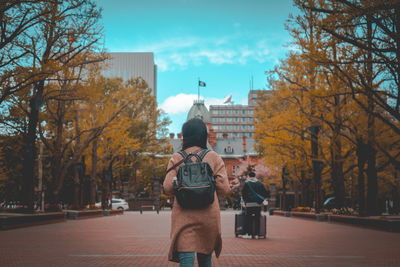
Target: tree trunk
77,187
337,161
58,157
304,189
104,193
372,192
30,148
395,192
317,168
361,157
296,193
93,177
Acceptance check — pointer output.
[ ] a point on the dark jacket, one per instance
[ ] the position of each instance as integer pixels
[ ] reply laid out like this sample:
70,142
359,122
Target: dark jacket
257,186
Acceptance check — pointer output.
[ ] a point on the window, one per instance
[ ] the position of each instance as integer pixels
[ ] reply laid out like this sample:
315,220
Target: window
229,127
228,119
251,111
219,135
215,111
233,170
236,111
250,134
229,111
250,119
243,127
243,111
229,149
235,134
236,119
243,119
222,111
214,119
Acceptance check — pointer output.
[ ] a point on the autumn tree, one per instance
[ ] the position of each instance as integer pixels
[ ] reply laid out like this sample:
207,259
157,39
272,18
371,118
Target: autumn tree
281,127
342,71
66,29
17,18
149,126
133,141
370,67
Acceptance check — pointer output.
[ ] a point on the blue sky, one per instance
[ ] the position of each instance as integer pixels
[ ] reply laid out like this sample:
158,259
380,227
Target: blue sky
224,43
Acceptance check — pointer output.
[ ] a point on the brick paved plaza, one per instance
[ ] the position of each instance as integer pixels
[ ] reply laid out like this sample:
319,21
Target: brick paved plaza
133,239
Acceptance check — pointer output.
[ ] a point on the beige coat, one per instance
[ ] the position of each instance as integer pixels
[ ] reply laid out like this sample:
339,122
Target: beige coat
197,230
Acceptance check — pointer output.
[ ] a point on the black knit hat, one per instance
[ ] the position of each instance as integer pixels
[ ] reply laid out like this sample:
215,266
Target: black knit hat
194,133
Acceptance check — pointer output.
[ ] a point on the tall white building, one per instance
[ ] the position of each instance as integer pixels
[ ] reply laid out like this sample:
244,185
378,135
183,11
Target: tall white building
129,65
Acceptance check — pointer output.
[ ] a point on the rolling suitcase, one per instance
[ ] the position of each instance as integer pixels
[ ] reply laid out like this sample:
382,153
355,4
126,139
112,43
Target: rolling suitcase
263,227
239,224
261,232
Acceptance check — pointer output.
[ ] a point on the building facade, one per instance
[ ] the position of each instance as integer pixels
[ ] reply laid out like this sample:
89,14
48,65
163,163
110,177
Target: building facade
237,152
129,65
234,121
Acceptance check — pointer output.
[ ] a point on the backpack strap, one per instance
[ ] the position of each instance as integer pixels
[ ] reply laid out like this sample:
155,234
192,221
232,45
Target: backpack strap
203,153
184,155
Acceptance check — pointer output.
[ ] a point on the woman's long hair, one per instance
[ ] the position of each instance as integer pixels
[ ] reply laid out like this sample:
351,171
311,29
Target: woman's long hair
194,133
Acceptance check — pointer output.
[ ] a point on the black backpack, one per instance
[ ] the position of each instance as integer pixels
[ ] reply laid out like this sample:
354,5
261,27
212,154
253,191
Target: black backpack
195,183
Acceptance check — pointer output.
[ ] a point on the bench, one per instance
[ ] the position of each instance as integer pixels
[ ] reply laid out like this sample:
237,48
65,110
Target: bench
148,207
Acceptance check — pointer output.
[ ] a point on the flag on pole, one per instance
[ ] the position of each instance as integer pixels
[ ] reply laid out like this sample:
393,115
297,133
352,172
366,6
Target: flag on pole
202,84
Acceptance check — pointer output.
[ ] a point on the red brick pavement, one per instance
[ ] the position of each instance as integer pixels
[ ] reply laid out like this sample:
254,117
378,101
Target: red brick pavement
133,239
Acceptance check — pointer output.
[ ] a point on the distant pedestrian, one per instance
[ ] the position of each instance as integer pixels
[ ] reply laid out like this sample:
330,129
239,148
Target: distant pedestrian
196,230
254,194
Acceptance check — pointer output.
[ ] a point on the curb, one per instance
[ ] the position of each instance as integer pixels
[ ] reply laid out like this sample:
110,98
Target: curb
13,221
87,214
387,224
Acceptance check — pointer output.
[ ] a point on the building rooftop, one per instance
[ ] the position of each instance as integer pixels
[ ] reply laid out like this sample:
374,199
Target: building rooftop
199,110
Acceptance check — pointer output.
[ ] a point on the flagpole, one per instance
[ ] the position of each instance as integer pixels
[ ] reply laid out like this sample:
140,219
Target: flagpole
198,90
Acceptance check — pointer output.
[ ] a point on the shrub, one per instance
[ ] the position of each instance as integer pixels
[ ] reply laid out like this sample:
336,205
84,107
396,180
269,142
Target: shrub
302,209
344,211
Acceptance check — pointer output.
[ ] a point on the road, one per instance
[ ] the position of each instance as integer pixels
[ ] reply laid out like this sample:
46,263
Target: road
135,239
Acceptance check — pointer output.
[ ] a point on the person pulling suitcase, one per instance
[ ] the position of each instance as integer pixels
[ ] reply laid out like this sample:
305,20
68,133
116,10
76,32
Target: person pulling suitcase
254,194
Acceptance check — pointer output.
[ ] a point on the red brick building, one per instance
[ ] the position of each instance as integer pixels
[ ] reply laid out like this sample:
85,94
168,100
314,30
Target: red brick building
237,153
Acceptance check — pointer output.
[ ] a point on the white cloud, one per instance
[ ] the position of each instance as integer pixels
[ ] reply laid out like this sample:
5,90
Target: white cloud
168,45
162,64
181,103
217,57
180,53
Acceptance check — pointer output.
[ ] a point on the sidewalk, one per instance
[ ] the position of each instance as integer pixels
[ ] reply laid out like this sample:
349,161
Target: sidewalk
133,239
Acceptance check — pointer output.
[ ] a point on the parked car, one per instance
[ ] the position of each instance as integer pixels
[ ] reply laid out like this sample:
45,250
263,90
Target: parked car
119,204
116,204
